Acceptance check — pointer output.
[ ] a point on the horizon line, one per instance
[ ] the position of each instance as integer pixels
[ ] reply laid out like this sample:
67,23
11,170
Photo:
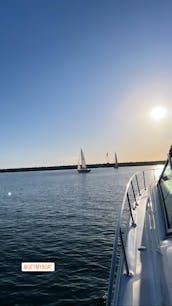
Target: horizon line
74,166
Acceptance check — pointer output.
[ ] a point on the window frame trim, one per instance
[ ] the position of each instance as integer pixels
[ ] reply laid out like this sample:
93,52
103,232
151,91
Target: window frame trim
168,229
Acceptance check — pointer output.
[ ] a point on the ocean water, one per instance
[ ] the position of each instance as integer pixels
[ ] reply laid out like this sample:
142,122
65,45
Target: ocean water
61,217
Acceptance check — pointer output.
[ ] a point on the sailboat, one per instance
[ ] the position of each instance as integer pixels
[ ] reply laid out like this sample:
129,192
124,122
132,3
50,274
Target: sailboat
115,161
82,167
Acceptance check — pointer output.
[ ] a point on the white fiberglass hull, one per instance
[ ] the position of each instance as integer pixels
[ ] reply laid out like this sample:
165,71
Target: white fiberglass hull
84,170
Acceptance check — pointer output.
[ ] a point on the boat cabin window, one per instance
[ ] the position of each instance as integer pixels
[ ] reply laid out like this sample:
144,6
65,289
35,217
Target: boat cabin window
165,184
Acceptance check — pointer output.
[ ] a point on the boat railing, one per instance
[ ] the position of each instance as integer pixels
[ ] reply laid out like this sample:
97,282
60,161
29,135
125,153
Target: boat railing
135,189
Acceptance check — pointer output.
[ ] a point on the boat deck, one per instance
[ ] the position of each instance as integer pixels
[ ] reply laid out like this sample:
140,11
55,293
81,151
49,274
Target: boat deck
144,288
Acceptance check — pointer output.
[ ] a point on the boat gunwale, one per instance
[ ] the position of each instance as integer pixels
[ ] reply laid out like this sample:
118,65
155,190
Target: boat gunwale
111,295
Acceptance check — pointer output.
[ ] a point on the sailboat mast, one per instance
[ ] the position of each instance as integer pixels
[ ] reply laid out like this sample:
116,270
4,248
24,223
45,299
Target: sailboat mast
116,161
107,158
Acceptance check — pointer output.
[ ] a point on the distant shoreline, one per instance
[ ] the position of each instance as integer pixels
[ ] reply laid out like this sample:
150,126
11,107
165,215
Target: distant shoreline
69,167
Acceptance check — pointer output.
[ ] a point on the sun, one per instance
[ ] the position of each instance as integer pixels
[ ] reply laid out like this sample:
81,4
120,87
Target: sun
158,113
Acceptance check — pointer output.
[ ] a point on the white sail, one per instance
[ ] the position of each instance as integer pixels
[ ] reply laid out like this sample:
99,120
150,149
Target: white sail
83,163
79,164
115,161
82,168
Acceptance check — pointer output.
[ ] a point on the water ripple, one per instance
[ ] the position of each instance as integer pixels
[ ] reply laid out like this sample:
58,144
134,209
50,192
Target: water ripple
62,217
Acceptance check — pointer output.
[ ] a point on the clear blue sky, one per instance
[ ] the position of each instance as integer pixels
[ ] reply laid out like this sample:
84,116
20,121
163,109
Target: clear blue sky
84,73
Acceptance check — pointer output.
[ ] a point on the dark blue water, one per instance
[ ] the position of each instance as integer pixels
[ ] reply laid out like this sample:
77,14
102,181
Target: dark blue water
62,217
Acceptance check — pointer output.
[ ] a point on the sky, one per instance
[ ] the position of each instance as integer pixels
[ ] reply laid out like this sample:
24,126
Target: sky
84,74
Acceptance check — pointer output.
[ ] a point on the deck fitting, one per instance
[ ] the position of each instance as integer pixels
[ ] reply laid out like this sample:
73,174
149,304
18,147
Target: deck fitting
131,274
142,248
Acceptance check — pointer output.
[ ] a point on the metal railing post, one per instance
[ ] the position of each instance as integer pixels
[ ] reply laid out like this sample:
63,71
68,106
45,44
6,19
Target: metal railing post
134,193
138,185
131,214
144,180
124,253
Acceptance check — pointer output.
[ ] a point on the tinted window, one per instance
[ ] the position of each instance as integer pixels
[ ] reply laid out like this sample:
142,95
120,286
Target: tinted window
166,188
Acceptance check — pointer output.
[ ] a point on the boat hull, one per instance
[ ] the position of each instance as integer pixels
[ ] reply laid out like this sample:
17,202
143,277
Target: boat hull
84,170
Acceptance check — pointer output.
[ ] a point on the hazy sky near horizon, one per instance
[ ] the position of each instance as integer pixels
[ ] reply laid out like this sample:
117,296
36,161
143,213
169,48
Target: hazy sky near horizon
84,73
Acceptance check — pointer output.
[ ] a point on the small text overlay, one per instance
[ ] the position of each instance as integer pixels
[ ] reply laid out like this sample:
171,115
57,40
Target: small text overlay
38,266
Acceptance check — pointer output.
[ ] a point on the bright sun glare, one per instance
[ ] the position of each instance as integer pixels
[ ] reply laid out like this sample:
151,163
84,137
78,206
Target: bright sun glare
158,113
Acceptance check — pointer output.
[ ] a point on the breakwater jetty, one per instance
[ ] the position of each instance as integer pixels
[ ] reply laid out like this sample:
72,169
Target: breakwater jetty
68,167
